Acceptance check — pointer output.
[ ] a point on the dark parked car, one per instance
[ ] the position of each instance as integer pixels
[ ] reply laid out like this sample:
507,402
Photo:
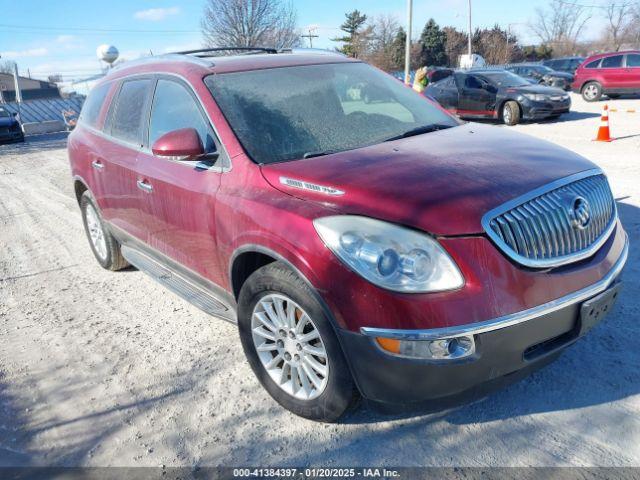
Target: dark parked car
10,128
383,249
537,73
611,74
498,94
565,64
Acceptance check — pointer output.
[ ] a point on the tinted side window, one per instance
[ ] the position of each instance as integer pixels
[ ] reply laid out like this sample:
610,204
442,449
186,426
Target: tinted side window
633,60
127,119
612,62
175,108
593,64
92,106
472,82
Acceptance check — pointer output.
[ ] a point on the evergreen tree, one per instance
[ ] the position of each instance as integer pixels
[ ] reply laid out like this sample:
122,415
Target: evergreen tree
432,45
352,26
398,49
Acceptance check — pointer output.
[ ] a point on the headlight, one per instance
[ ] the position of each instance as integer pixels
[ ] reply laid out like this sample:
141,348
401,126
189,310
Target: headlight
390,256
536,97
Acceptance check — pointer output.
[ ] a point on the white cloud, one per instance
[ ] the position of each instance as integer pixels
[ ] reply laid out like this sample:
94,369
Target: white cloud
65,38
156,14
32,52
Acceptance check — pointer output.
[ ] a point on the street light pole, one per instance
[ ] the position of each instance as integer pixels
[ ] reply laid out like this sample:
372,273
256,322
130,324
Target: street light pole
469,30
407,49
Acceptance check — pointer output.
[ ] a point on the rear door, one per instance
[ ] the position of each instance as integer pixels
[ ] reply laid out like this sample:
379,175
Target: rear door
125,127
632,72
179,196
446,93
613,72
475,100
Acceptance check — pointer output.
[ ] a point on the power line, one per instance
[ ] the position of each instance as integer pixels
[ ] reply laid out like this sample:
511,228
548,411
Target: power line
86,29
604,7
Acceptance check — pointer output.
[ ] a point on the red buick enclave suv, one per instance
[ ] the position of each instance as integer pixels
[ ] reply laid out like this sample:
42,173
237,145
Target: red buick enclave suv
378,249
611,74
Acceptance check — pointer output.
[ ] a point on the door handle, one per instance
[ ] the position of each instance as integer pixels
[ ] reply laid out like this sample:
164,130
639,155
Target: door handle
97,164
144,186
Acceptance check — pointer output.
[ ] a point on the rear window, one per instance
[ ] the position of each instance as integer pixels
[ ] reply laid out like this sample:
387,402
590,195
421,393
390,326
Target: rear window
612,62
633,60
93,105
126,120
593,64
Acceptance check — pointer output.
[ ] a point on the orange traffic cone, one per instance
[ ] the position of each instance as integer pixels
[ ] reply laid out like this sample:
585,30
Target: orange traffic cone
604,135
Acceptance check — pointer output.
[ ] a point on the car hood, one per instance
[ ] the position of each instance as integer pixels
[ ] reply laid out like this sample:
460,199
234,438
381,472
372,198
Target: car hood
7,121
441,182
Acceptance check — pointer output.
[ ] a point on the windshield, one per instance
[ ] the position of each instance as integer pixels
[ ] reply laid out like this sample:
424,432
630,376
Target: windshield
4,113
506,79
282,114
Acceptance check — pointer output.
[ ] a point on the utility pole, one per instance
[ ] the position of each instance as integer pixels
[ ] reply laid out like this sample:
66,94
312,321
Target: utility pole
469,30
310,36
17,87
407,49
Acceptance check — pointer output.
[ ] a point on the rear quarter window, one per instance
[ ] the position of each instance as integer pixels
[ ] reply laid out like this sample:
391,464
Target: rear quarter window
92,107
594,64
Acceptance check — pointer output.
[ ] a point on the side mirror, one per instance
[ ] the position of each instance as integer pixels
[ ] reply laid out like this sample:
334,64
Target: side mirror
182,144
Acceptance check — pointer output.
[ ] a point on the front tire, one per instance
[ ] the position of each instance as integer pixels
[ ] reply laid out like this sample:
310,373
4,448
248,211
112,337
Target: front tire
592,92
291,345
511,113
104,246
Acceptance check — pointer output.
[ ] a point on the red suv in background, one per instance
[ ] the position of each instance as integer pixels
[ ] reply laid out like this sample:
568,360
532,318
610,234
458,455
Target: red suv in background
383,248
611,74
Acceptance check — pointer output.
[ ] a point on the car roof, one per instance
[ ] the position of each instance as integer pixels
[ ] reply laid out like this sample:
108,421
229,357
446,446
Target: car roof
188,64
611,54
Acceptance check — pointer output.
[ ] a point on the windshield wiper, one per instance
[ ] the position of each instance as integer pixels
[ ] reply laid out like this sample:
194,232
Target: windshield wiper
320,153
434,127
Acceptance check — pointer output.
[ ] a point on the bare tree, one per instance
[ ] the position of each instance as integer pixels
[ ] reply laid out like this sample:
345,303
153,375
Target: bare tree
619,23
7,66
383,32
250,23
561,24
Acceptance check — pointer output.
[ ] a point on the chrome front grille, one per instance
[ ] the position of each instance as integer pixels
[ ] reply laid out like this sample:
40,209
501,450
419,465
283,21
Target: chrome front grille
563,222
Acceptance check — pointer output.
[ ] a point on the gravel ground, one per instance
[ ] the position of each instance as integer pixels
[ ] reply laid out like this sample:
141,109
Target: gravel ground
101,368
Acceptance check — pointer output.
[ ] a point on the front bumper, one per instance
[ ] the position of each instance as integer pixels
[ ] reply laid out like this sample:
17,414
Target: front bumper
10,135
506,348
539,110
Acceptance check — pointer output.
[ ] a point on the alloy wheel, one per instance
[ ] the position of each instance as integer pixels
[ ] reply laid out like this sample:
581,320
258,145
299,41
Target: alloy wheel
591,92
506,114
290,346
96,234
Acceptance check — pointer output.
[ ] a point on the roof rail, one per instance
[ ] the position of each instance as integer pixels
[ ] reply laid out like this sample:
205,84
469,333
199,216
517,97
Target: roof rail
207,52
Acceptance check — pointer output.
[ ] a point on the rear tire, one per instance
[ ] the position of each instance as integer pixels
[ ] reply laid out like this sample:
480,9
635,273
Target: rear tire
511,113
104,246
592,92
276,290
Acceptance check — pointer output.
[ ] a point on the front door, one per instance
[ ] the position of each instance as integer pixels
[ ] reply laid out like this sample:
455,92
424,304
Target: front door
180,212
475,99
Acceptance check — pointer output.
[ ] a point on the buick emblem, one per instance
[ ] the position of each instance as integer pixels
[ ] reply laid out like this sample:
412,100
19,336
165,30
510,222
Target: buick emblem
580,213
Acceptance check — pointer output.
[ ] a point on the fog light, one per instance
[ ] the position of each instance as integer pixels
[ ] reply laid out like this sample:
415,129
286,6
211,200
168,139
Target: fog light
441,349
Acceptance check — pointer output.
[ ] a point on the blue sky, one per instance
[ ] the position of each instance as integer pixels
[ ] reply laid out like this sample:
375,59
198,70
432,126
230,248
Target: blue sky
46,37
